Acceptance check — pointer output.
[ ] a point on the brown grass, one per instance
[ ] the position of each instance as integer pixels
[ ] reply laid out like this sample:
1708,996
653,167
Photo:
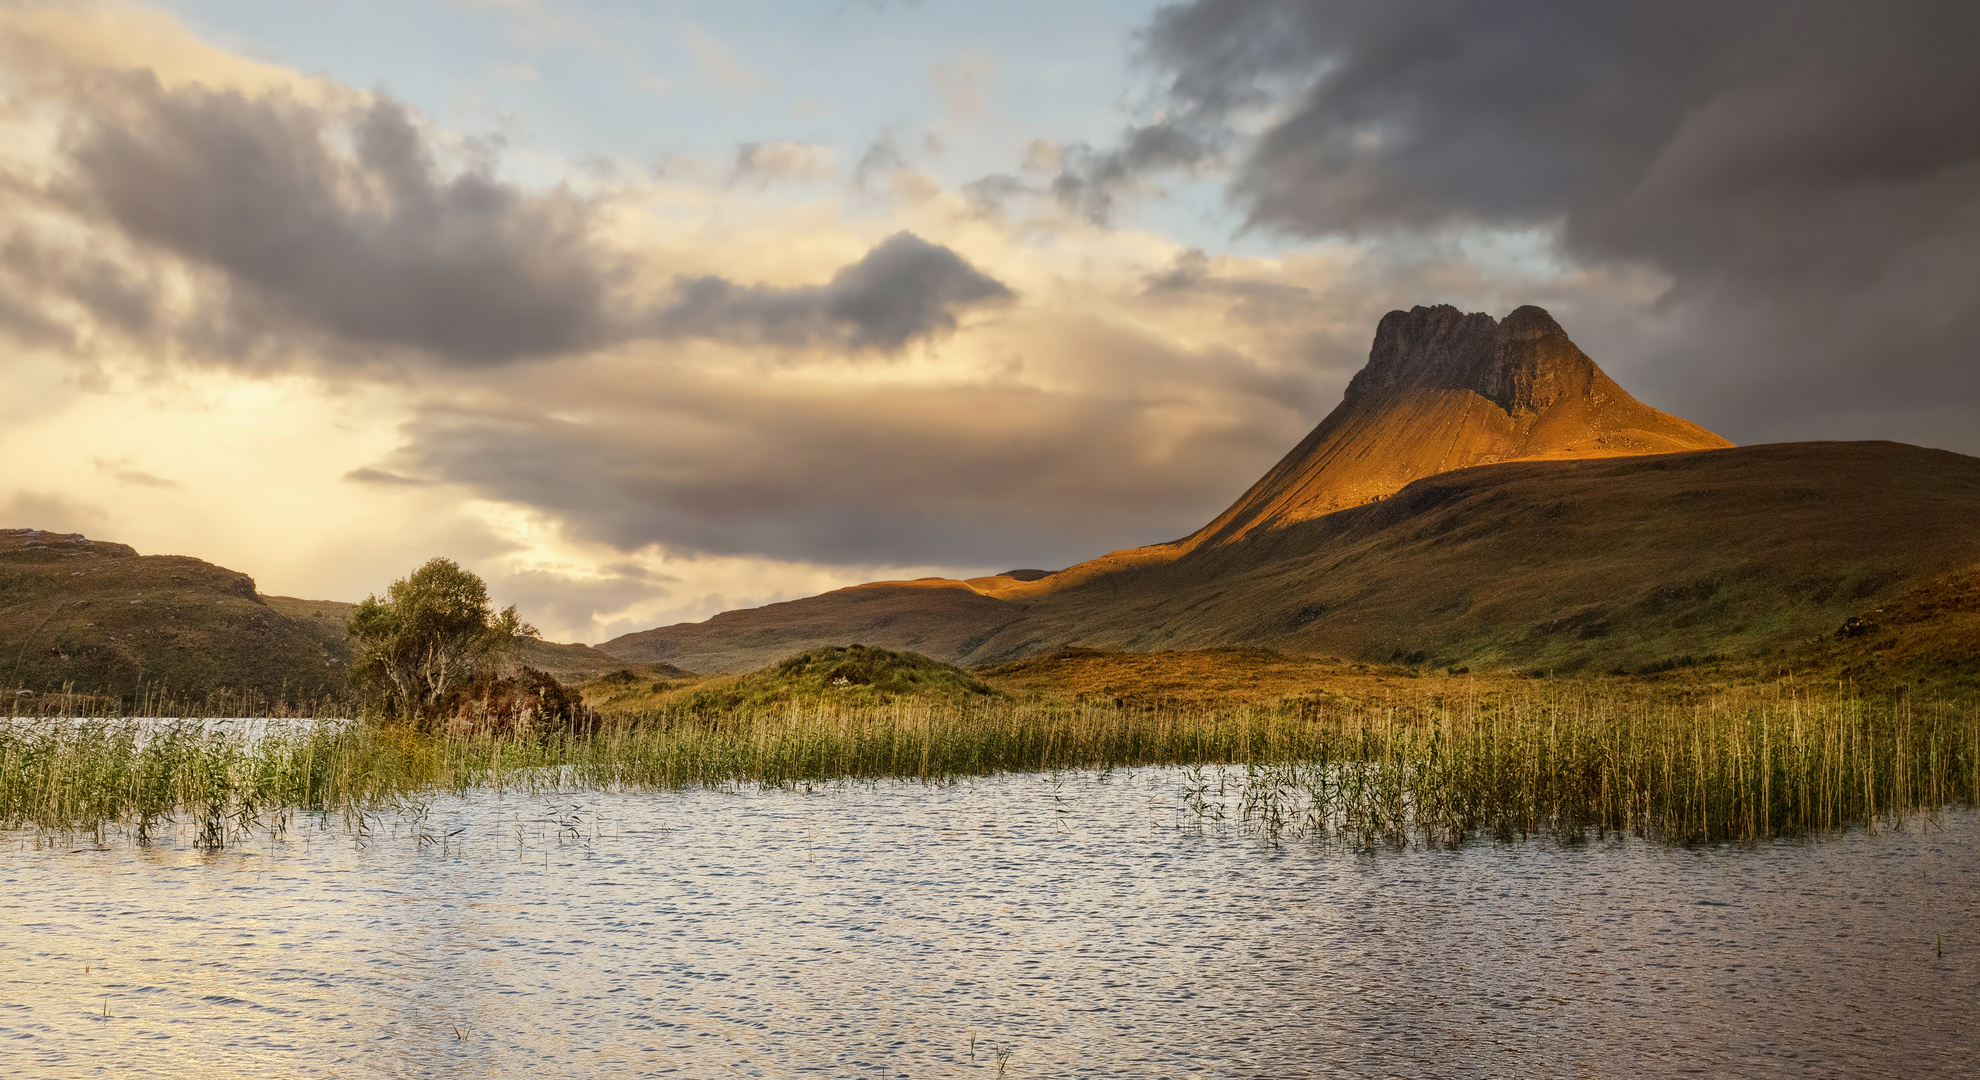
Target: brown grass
1442,760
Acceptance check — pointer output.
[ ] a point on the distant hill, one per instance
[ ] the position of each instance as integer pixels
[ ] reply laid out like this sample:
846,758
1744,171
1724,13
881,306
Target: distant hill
101,618
580,663
1484,495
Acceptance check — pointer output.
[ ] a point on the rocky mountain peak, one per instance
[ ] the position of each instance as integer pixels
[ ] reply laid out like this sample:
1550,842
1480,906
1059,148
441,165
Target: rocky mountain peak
1444,389
1523,364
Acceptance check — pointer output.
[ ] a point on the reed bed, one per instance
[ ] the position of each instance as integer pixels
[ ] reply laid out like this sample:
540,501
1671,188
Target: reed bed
155,700
1562,759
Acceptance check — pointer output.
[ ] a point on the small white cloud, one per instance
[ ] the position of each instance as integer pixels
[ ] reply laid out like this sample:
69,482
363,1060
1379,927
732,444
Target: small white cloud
518,73
964,86
1041,156
782,162
716,62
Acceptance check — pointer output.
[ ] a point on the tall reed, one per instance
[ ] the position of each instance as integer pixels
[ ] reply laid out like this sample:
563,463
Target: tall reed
1560,758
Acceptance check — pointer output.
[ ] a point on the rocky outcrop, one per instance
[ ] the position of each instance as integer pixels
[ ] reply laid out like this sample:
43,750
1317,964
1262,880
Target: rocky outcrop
1444,390
28,543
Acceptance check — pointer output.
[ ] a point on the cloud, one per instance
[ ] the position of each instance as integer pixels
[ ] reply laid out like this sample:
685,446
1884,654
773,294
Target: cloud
371,248
1807,174
905,288
384,478
680,370
52,512
764,163
1119,436
1192,273
1092,181
63,298
24,322
715,60
963,84
332,234
123,473
581,605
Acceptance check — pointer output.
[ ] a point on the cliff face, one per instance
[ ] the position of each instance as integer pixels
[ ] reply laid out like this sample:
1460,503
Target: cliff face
1445,390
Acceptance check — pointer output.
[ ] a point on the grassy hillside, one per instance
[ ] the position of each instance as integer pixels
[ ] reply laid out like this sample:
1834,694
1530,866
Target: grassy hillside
935,617
1199,679
849,676
102,618
1928,637
1568,566
573,664
1619,563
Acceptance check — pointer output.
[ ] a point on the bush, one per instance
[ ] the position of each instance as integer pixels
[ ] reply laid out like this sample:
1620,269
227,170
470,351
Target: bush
433,635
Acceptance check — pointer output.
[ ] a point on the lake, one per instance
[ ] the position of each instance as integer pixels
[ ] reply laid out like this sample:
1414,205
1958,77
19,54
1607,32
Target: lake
1028,926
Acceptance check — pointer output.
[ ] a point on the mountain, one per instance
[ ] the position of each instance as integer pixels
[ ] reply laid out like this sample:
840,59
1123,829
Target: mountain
99,617
1483,495
1444,390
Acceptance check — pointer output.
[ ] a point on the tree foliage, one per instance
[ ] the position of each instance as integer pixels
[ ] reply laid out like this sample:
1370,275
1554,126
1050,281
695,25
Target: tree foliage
431,636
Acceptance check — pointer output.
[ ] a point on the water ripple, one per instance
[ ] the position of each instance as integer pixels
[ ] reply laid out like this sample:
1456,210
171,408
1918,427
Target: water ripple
931,931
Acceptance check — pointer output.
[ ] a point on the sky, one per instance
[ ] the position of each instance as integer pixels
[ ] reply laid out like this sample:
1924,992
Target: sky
645,311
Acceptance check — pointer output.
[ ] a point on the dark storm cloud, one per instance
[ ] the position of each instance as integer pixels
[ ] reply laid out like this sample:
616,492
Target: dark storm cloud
338,229
1091,181
110,293
1806,173
23,321
370,245
903,289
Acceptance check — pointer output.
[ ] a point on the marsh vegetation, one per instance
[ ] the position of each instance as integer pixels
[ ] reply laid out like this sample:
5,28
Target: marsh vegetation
1439,763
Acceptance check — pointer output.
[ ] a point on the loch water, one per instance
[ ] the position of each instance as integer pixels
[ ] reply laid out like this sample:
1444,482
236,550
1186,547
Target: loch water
1065,925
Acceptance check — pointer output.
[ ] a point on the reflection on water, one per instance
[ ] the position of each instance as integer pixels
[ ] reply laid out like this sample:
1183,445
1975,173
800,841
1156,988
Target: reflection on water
1042,926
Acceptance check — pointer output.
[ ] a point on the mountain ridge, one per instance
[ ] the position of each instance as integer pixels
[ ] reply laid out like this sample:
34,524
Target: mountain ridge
1447,402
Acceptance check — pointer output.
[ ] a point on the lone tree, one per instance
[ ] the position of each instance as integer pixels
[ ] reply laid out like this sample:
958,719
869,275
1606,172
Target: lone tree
431,636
